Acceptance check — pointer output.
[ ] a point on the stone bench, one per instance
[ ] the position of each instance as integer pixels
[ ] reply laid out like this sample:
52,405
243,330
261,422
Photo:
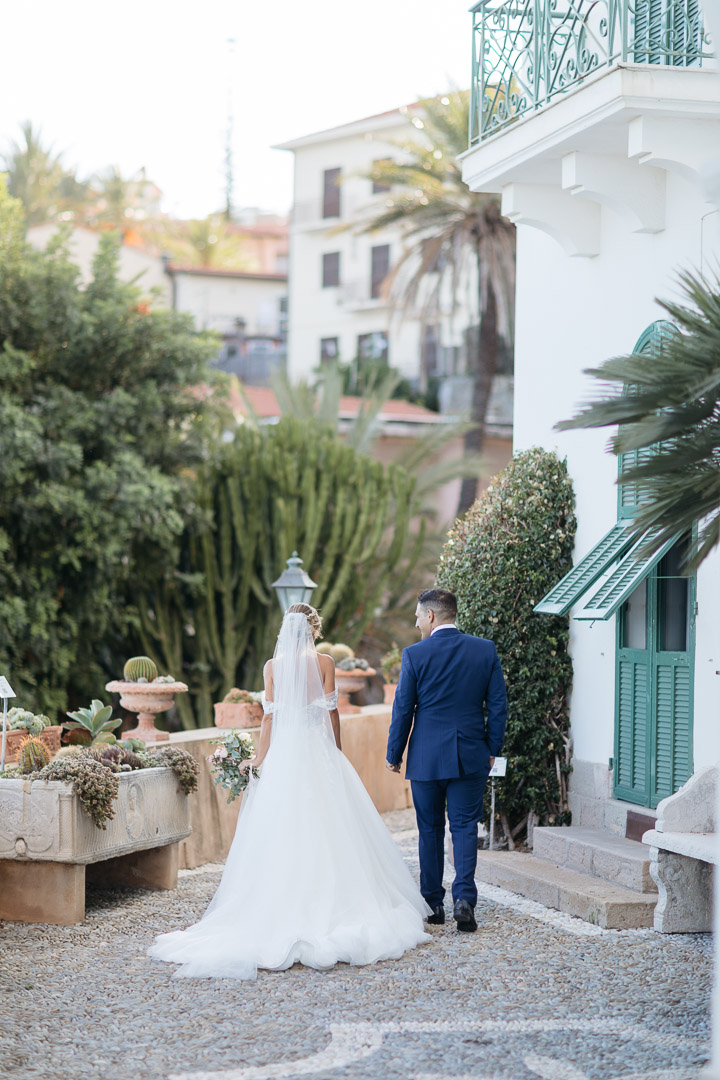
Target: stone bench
48,844
683,850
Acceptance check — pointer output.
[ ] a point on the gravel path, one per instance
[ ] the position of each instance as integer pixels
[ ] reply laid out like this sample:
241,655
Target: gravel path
531,994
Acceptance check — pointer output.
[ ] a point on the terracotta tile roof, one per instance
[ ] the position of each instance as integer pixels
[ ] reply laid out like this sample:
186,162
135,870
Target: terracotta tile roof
265,404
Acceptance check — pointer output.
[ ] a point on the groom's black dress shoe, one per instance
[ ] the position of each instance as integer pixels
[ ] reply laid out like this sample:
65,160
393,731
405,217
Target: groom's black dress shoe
464,916
438,915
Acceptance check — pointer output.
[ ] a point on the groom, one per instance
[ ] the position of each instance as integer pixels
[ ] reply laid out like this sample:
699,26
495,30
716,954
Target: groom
451,703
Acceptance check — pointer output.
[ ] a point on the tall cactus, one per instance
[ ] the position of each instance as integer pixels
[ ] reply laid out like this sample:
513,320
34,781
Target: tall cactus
273,490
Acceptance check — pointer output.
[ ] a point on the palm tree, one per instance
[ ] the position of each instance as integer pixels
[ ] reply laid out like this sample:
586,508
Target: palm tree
450,233
668,401
34,175
207,242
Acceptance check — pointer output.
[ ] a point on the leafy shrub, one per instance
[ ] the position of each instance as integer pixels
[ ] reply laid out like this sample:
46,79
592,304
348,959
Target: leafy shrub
511,547
391,664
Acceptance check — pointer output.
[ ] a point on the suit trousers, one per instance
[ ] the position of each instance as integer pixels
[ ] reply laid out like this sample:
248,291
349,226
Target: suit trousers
463,798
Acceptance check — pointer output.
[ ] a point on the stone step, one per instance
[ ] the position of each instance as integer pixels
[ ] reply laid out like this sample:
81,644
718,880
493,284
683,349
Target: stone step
592,899
596,852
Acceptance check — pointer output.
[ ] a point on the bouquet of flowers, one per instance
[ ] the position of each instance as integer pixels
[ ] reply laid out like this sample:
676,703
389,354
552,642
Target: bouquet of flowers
226,759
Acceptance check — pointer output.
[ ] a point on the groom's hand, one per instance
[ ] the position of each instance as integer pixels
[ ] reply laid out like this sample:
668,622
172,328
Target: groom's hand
393,768
492,762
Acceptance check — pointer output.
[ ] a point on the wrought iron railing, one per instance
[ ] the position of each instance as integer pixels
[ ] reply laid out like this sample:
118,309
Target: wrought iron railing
527,52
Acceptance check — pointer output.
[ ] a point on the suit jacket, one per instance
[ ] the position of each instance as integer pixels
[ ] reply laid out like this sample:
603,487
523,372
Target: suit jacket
451,704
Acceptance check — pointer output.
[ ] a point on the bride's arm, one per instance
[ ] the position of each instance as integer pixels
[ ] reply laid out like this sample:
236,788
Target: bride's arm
328,674
266,727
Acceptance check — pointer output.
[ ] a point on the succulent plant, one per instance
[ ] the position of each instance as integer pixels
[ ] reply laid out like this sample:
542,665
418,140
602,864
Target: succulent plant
33,755
338,652
239,697
353,663
140,667
183,765
391,664
117,757
164,679
95,784
92,725
24,720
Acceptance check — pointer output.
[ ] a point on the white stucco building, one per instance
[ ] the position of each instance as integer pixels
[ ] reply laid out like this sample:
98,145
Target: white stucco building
336,310
597,132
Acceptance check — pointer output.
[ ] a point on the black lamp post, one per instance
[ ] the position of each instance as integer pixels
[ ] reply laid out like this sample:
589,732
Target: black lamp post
293,586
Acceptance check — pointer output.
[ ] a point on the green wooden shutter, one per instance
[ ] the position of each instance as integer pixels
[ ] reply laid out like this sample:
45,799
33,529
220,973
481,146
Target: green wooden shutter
631,496
621,581
673,753
584,574
631,748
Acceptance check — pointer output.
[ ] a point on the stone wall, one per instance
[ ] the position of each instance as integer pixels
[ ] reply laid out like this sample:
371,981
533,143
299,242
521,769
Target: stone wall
213,820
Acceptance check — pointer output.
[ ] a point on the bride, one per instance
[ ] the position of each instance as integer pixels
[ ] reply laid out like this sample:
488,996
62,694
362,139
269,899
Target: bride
313,874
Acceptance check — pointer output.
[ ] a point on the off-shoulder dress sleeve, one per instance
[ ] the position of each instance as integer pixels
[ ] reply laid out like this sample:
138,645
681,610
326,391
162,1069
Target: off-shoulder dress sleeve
268,706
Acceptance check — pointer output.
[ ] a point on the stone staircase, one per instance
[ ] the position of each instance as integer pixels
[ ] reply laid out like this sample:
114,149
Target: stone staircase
591,873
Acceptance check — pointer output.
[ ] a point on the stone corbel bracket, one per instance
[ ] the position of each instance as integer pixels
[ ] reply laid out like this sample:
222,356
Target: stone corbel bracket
638,195
677,145
573,223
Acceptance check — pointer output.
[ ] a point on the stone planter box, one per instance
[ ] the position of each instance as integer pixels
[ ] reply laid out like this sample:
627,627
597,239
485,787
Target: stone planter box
47,841
50,736
233,714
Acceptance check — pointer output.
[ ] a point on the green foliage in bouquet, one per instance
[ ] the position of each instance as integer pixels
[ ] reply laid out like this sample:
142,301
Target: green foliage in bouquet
93,725
274,489
226,759
511,547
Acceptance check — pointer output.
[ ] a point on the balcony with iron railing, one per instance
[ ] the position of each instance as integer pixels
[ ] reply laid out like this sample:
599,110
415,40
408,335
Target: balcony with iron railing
528,53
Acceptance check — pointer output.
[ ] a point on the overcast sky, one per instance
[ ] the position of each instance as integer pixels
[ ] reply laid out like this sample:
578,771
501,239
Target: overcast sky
147,82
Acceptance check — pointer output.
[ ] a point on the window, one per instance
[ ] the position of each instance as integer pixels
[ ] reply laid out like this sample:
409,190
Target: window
373,346
331,193
329,349
379,188
380,267
330,269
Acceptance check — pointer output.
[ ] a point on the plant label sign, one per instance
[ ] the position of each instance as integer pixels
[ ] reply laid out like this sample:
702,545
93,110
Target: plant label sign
500,767
6,689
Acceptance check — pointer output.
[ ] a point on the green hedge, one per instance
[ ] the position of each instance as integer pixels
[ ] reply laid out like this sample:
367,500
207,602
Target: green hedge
512,546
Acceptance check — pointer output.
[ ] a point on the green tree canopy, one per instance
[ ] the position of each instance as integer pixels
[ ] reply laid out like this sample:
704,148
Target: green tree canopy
100,427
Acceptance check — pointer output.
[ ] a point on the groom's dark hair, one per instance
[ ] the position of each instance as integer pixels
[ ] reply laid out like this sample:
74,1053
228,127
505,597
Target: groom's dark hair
442,602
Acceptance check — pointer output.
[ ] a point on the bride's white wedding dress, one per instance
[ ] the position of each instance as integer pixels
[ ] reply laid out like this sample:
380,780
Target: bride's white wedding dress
313,874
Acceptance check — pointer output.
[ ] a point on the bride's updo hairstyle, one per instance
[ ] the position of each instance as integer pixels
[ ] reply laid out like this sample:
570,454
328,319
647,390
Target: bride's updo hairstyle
312,616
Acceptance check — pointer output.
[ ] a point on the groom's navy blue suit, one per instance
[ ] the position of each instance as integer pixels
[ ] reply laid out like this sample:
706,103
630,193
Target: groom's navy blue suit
451,704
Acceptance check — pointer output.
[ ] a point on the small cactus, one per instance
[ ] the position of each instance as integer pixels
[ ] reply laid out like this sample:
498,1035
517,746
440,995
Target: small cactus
33,755
239,697
140,667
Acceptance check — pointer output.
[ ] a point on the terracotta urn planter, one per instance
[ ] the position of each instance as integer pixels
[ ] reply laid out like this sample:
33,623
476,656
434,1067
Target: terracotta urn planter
238,714
50,736
147,700
389,692
349,682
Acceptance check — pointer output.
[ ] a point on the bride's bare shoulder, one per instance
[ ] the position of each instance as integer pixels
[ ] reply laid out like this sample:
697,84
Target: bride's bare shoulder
326,662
